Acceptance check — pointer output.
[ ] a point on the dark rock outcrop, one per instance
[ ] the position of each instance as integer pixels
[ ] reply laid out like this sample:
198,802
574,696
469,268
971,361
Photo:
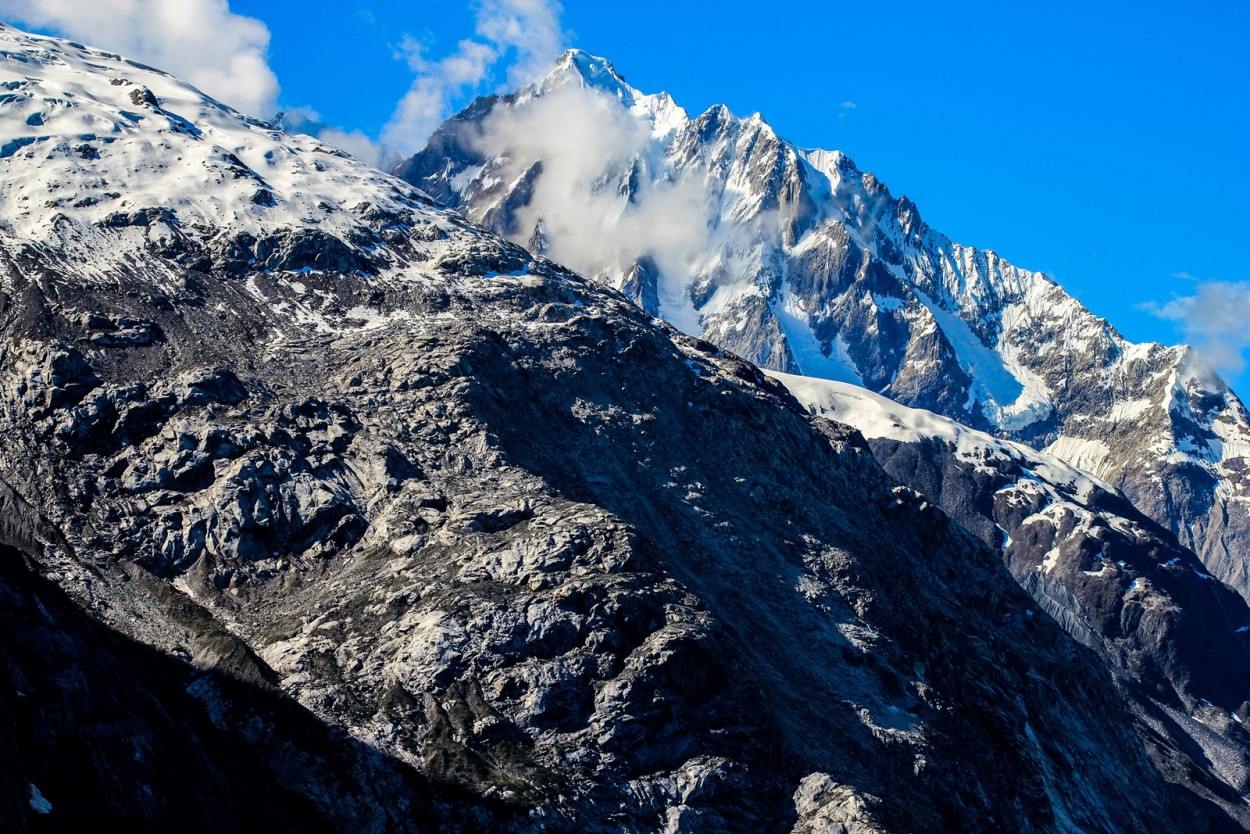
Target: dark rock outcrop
1177,639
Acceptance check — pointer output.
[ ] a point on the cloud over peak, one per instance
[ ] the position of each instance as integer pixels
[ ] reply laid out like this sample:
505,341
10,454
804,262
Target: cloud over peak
526,32
1213,320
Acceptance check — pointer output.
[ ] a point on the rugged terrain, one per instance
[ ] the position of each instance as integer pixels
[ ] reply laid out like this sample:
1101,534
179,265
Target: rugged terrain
346,514
800,262
1177,638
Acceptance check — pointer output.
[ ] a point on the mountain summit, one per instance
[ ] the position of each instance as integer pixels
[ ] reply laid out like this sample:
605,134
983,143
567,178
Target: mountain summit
579,66
801,262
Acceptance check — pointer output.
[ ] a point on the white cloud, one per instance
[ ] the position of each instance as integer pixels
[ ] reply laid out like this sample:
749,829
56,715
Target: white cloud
527,31
225,55
531,27
587,144
356,142
1213,320
849,105
199,41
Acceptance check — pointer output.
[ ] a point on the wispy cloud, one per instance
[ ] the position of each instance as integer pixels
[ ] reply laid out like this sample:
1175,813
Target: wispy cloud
356,142
589,147
849,105
526,32
226,55
1213,320
530,27
200,41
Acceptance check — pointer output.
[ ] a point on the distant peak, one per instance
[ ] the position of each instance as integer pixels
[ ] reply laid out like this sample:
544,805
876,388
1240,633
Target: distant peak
716,115
587,65
577,65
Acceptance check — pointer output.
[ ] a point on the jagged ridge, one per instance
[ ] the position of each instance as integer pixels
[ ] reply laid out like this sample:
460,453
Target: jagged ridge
803,264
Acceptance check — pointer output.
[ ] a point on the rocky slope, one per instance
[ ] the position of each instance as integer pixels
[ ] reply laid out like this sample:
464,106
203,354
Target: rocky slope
1178,639
800,262
104,732
407,530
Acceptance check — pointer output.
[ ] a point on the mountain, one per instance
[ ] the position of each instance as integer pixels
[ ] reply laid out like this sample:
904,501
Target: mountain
1177,639
340,513
803,264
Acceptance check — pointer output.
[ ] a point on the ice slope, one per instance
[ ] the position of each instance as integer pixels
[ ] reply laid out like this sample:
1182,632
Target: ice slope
876,416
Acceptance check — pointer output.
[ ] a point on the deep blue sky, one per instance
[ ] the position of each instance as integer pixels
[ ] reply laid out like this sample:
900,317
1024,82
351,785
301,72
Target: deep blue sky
1103,143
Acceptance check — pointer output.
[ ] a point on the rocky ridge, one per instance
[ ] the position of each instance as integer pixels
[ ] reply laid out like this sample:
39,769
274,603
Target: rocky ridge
1177,638
407,529
800,262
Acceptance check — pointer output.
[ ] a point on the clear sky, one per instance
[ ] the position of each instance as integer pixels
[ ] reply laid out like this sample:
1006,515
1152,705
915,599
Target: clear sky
1101,142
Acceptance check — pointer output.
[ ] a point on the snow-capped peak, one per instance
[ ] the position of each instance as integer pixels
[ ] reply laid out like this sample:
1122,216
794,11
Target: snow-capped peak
92,137
580,67
803,263
833,164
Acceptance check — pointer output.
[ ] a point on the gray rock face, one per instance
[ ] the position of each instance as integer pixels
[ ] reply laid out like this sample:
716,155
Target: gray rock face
1177,638
113,734
801,263
536,559
426,533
